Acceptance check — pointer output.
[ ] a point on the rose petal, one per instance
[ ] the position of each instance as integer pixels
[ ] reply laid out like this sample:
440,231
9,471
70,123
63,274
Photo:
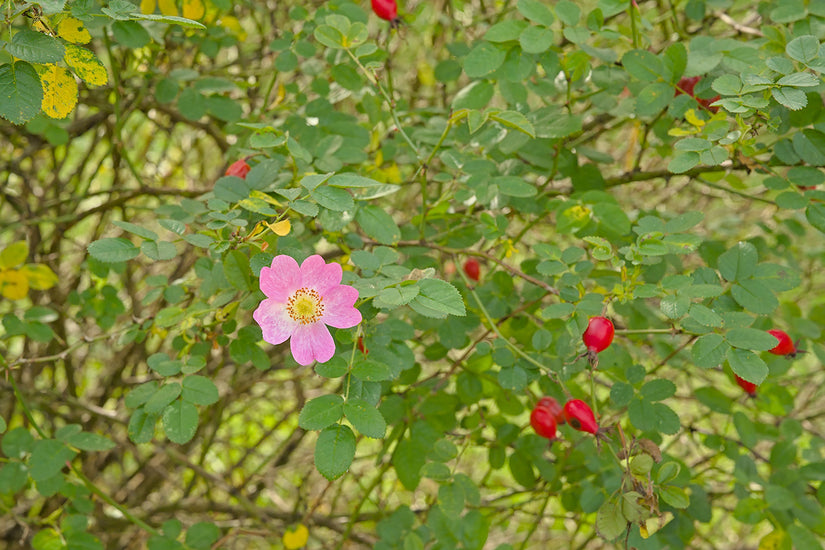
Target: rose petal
319,275
338,307
312,343
281,279
275,323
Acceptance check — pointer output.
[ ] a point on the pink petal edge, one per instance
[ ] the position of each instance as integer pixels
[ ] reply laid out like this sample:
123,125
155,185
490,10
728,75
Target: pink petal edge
281,279
317,274
312,343
274,321
338,307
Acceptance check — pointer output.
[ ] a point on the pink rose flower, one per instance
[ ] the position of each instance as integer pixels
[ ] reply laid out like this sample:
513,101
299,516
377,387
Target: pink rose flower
300,302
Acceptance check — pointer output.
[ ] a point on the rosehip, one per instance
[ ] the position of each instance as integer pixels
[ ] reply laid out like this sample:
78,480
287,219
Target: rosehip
686,85
387,10
239,169
360,345
553,406
472,269
749,387
543,422
599,334
580,416
785,345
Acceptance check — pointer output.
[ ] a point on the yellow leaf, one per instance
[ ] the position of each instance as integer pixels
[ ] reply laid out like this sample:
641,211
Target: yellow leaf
296,538
72,30
426,74
690,116
39,276
86,65
775,540
280,94
231,23
281,228
14,254
193,9
148,6
59,92
13,284
168,7
651,525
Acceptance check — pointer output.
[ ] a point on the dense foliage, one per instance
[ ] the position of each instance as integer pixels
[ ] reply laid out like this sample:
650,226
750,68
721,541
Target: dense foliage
489,176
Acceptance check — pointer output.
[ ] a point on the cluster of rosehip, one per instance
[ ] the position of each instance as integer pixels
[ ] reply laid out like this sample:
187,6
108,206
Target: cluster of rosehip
598,336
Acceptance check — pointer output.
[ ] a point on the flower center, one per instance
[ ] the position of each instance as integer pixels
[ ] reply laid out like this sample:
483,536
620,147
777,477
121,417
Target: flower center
305,306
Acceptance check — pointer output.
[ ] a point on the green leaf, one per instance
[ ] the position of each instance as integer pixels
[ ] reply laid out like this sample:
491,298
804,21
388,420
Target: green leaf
751,338
675,60
754,296
674,496
21,93
747,365
809,144
483,59
17,442
370,370
159,250
132,35
535,11
113,250
568,13
202,535
163,397
648,416
141,426
199,390
378,224
705,316
505,31
171,19
48,457
334,451
86,441
714,399
709,350
330,37
739,262
515,120
180,422
815,214
147,234
682,162
437,298
653,98
803,48
515,187
610,522
657,390
321,412
728,84
47,539
799,80
365,418
139,395
791,98
396,296
643,65
236,270
333,198
35,47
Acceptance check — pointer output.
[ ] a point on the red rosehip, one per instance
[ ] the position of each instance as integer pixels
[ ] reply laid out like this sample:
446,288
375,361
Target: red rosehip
239,169
387,10
580,416
543,422
686,85
599,334
360,345
553,406
472,269
749,387
785,345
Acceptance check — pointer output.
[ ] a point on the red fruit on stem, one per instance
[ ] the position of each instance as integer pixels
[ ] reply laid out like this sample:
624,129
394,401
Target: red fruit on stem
686,85
472,269
239,169
360,345
387,10
553,406
580,416
543,422
599,334
785,345
749,387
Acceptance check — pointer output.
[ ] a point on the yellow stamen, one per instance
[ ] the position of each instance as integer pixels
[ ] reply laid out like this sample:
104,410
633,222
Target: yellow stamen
305,306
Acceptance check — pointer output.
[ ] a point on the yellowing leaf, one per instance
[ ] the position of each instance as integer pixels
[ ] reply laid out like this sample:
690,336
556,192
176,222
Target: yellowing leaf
193,9
39,276
280,94
14,254
72,30
86,65
231,23
651,525
168,7
426,74
775,540
148,6
13,284
281,228
59,92
296,538
690,116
